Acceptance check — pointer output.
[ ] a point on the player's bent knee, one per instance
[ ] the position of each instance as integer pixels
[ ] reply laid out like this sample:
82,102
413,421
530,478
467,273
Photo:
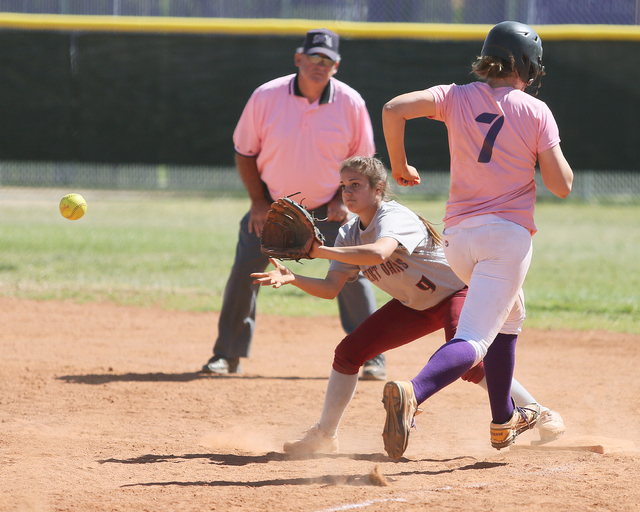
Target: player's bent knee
348,369
343,363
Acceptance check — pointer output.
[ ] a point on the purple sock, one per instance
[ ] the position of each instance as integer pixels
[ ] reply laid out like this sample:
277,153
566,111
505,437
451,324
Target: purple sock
498,368
449,363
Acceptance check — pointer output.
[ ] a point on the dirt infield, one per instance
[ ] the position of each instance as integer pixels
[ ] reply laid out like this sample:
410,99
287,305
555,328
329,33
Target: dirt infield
102,409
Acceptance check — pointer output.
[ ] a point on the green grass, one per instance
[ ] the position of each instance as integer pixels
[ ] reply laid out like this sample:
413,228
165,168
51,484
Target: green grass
175,251
586,267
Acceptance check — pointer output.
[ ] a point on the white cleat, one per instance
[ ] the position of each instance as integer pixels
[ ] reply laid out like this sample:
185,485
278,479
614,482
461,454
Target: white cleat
314,441
550,426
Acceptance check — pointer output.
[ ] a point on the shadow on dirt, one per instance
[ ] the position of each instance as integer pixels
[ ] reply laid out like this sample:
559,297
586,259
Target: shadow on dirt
242,460
227,459
106,378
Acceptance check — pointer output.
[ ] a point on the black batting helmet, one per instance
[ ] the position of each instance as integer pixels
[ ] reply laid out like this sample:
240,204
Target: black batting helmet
517,43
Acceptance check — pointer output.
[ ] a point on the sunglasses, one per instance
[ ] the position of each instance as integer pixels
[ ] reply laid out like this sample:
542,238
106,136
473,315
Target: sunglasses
316,59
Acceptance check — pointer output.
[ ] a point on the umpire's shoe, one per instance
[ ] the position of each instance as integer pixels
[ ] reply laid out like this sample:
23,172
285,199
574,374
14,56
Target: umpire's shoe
399,401
374,369
219,365
522,419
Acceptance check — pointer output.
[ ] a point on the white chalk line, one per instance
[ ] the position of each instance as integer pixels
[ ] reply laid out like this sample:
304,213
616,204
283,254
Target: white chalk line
352,506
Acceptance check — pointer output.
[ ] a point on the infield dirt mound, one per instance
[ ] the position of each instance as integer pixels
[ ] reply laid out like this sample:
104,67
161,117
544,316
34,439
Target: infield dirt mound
102,408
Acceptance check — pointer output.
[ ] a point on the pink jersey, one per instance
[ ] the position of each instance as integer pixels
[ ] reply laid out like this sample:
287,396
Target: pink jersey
495,136
300,146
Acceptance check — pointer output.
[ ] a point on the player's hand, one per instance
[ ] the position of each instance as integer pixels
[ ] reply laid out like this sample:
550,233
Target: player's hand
276,278
475,375
407,176
314,249
258,216
337,211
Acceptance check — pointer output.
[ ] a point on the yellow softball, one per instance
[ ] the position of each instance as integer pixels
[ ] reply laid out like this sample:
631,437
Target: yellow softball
73,206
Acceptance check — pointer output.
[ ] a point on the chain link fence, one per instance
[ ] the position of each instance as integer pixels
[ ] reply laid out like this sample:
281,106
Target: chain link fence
588,185
616,12
592,186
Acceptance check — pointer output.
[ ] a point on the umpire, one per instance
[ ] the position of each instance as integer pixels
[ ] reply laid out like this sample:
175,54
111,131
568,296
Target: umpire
291,137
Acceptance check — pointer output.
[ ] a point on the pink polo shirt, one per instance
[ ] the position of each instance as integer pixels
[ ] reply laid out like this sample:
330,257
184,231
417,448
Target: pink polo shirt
300,146
495,136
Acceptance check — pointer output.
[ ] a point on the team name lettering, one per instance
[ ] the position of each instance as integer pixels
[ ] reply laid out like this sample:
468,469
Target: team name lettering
372,274
392,267
389,268
402,264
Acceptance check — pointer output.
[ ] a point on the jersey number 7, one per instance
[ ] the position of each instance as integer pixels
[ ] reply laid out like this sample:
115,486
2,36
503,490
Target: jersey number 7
487,146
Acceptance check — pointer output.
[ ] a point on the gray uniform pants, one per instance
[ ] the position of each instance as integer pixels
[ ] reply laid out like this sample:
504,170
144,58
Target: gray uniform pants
237,317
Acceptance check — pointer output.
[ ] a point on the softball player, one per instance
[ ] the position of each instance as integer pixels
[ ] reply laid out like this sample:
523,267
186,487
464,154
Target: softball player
497,132
401,254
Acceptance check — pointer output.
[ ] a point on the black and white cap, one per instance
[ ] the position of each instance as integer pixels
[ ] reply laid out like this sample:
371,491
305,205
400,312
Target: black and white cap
321,40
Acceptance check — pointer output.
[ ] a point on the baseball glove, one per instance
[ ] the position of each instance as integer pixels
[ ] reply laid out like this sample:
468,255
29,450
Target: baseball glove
289,231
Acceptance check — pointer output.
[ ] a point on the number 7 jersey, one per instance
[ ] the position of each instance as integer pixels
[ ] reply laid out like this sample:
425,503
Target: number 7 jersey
495,136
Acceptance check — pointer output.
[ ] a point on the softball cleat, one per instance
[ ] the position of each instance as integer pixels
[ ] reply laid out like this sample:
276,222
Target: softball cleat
550,426
314,441
522,419
400,403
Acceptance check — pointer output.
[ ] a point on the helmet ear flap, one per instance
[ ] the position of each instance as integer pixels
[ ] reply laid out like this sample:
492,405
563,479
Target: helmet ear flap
534,83
532,74
536,71
527,71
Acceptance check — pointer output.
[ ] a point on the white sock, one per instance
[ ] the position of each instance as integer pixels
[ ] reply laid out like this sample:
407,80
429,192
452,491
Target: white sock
340,390
519,394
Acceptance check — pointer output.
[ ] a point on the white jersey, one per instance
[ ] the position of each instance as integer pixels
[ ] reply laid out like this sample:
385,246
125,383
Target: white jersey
417,273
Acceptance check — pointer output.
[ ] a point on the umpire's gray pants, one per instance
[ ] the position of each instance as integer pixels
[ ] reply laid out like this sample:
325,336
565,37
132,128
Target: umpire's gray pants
237,317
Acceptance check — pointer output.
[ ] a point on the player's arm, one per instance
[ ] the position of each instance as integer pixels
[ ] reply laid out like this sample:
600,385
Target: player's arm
248,170
395,114
327,288
366,254
556,171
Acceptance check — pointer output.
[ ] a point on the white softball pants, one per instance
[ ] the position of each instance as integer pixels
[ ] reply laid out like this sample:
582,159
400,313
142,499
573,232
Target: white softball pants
492,256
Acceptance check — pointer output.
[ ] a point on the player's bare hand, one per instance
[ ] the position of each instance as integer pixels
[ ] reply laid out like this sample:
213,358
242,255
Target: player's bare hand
276,278
407,176
337,211
258,216
475,375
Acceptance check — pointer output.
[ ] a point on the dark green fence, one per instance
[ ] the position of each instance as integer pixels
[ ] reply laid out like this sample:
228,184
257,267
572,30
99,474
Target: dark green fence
174,99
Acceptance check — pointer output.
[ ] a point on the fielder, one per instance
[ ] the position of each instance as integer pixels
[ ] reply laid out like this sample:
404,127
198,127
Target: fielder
401,254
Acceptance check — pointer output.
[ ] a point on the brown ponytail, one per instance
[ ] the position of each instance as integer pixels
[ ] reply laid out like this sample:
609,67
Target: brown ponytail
436,237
